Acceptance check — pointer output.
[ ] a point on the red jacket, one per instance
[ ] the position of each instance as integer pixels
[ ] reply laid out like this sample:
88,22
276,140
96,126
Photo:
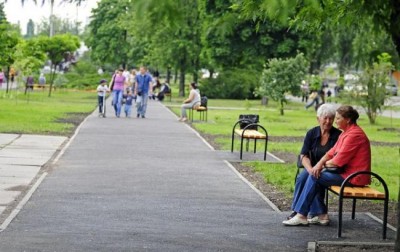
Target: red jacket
352,152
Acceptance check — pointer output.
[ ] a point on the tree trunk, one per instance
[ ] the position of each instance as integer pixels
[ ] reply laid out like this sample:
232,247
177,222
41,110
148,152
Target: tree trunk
52,76
8,78
281,107
182,81
175,75
168,74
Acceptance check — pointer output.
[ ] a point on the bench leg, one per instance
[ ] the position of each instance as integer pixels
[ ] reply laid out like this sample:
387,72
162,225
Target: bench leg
233,139
385,215
353,211
255,145
340,216
247,144
241,148
265,149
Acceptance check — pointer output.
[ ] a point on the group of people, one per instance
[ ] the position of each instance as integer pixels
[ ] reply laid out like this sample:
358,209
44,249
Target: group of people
329,155
129,87
316,96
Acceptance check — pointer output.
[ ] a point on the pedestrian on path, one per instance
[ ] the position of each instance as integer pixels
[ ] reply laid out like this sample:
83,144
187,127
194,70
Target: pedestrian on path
102,89
142,91
192,100
117,87
128,103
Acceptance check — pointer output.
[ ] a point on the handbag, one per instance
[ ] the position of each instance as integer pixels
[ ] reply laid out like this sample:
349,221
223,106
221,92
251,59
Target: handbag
334,169
245,120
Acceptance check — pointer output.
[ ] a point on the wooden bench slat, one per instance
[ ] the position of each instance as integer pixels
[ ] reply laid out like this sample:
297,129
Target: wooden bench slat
201,108
253,134
365,191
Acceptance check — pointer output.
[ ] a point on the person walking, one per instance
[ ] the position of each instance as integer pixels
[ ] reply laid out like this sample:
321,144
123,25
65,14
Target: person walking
117,87
102,89
142,91
128,103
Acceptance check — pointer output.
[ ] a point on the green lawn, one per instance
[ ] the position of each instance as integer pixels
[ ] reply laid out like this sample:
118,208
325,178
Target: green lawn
295,123
36,113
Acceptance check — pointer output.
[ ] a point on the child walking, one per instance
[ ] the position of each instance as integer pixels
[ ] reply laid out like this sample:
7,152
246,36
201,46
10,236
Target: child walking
102,89
128,103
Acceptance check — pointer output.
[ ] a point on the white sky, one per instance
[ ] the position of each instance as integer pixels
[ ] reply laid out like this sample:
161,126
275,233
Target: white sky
15,13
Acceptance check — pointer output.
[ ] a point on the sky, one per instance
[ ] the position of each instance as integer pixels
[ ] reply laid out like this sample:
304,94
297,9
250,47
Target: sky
15,13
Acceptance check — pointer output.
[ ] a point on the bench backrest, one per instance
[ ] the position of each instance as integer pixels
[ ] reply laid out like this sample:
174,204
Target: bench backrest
248,119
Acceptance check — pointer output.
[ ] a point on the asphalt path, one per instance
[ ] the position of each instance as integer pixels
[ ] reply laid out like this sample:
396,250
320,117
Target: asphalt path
127,184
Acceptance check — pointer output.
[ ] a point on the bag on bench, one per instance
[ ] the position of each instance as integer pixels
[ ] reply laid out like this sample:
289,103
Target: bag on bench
248,119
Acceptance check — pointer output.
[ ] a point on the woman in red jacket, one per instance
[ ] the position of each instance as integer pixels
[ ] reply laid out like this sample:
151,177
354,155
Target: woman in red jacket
351,153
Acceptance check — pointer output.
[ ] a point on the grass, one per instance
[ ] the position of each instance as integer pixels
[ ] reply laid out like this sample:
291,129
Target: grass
293,126
36,113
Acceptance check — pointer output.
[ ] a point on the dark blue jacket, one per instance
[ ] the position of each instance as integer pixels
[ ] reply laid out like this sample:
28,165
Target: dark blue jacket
313,137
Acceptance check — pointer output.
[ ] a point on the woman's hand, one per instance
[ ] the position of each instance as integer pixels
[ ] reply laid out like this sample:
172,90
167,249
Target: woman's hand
316,171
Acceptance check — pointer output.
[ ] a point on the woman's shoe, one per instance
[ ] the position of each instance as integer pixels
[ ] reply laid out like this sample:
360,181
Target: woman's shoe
318,221
296,221
291,215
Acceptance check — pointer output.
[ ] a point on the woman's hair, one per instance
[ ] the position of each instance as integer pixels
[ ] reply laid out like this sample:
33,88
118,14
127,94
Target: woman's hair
194,85
348,112
326,110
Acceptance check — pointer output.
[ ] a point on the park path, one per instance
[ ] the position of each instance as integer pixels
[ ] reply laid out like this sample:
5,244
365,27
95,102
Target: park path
127,184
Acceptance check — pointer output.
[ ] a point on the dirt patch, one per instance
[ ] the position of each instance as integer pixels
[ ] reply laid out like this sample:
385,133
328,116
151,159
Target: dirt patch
72,118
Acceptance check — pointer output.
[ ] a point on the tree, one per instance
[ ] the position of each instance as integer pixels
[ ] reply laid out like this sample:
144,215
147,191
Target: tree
60,26
182,43
108,38
282,76
56,48
9,38
371,94
312,15
29,57
3,17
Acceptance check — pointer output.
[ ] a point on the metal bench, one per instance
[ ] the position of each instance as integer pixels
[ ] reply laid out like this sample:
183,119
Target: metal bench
249,133
365,192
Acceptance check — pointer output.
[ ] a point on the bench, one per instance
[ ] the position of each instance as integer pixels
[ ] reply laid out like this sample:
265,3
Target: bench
248,133
169,94
200,107
365,192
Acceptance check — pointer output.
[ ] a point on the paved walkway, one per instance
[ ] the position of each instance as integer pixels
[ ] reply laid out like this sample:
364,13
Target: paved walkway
154,185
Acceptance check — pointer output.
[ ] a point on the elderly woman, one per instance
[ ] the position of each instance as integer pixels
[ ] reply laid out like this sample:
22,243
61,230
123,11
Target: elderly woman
351,153
192,100
317,142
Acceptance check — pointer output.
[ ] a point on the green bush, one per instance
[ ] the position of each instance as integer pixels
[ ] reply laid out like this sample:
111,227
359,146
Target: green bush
231,84
86,81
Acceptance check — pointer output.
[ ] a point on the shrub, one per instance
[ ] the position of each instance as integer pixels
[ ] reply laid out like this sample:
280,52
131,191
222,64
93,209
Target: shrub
231,84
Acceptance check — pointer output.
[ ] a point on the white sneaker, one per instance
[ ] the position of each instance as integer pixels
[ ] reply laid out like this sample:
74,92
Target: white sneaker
296,221
316,220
